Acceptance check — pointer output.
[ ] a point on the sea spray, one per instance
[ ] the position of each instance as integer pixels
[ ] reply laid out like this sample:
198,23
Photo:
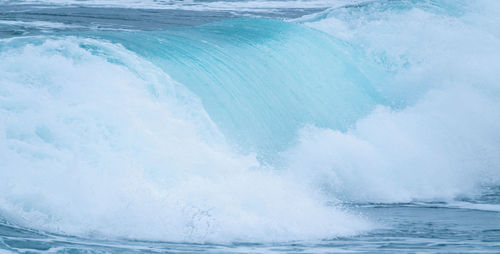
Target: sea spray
256,130
98,142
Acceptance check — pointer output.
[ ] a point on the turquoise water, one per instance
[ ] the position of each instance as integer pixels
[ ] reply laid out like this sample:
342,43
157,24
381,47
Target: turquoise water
249,126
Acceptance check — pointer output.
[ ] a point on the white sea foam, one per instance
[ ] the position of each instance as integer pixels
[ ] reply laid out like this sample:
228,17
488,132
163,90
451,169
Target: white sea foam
39,24
446,142
91,147
96,140
440,148
475,206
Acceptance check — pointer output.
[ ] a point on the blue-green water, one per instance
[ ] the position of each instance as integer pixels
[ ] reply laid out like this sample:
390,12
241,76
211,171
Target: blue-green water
406,228
249,126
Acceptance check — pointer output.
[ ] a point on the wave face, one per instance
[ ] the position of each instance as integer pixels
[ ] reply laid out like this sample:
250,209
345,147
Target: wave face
245,129
261,80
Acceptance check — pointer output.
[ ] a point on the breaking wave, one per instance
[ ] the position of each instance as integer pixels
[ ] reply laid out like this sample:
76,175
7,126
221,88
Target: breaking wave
246,129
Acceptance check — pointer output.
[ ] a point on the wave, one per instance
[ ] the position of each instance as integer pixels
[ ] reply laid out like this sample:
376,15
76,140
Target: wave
261,80
438,137
93,146
245,129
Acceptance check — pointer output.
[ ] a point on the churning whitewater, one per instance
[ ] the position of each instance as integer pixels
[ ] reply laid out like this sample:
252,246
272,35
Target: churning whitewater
248,121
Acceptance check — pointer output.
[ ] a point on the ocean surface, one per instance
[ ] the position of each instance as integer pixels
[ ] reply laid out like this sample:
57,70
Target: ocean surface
311,126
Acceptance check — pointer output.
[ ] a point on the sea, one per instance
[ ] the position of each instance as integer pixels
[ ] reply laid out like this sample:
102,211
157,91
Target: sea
249,126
